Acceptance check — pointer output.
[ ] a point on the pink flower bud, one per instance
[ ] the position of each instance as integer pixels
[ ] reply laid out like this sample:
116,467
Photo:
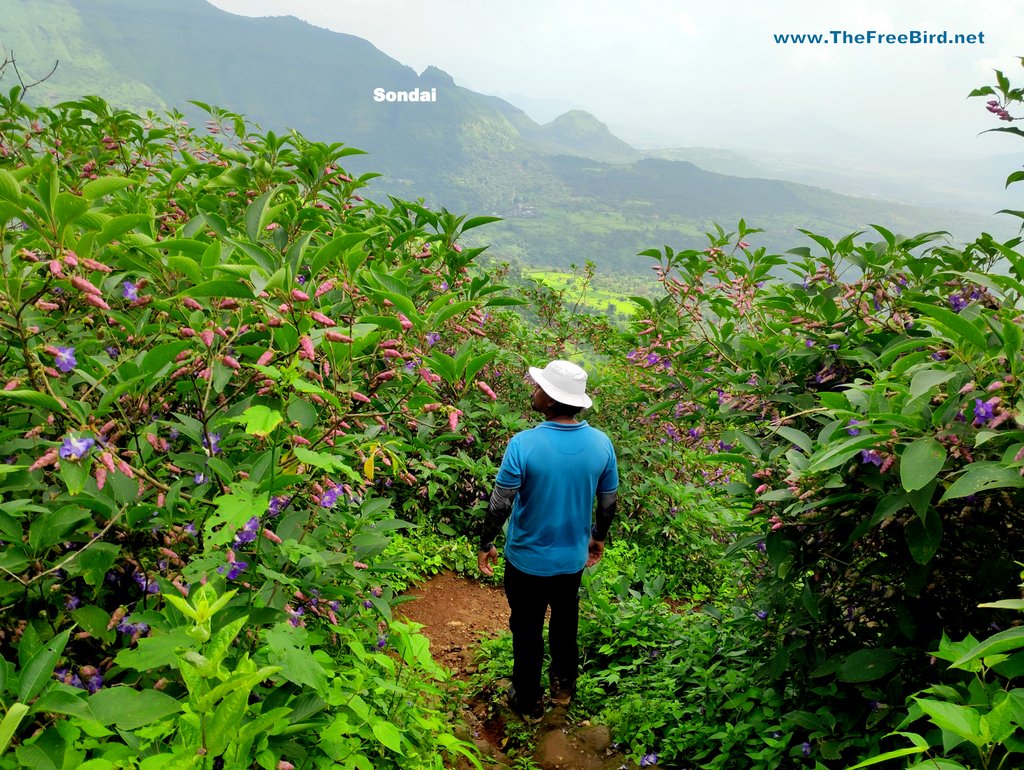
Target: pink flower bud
275,321
92,299
453,419
762,489
359,565
206,335
84,286
300,440
338,337
308,351
108,461
100,474
321,319
299,296
406,323
125,468
357,396
47,306
187,331
191,304
92,264
56,268
323,288
49,457
431,407
71,258
231,363
12,384
389,353
486,390
266,358
273,539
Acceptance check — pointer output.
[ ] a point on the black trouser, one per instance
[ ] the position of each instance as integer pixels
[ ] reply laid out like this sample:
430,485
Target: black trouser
528,598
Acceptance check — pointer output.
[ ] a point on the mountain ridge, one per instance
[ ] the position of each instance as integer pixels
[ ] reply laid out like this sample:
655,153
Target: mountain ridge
566,188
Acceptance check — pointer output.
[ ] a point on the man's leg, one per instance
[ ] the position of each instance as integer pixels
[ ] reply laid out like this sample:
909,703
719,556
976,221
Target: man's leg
527,602
563,629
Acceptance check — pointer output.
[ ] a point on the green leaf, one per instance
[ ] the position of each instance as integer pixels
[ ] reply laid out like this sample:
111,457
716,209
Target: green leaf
962,721
64,699
926,380
38,671
389,735
955,325
219,288
795,436
896,754
33,398
921,462
254,215
10,190
982,476
260,420
867,665
997,644
477,221
129,709
97,188
834,454
9,726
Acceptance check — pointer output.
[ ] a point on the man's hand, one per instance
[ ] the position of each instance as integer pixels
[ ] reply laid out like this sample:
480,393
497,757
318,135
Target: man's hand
486,559
596,551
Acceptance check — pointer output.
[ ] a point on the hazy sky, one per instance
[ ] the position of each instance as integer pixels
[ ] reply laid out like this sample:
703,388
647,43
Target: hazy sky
685,73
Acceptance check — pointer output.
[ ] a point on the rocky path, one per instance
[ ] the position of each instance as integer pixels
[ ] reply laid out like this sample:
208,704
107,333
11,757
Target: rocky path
456,613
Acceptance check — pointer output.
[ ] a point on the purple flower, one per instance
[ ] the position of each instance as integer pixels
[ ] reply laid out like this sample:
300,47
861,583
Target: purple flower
957,302
940,355
277,504
805,749
367,604
189,529
211,441
761,614
199,478
234,569
872,456
330,498
444,285
808,343
65,359
73,603
652,359
983,412
852,428
113,351
382,641
131,629
834,346
433,338
248,533
296,616
130,292
649,759
94,683
75,448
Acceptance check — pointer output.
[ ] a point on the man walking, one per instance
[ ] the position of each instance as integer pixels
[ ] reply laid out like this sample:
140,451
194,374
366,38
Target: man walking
548,480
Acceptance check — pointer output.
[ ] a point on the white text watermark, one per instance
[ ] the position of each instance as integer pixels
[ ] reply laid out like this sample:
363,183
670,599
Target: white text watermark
415,95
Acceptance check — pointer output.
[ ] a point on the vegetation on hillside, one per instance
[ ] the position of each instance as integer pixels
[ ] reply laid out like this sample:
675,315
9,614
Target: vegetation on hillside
229,380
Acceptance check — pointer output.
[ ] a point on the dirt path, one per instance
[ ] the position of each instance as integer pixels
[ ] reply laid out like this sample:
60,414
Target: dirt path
456,614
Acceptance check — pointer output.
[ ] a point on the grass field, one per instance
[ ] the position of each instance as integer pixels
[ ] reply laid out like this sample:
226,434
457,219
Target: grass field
595,299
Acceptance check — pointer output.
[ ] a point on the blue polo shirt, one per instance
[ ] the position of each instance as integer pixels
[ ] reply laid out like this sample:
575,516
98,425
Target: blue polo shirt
558,470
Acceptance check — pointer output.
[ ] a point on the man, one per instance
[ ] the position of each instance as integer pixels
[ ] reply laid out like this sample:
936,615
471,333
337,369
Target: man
548,480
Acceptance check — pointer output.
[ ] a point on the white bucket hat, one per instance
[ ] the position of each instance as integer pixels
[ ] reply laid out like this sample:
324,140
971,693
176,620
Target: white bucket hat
565,382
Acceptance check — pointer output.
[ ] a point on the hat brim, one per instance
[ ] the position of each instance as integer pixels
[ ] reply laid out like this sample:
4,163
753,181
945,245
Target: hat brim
559,395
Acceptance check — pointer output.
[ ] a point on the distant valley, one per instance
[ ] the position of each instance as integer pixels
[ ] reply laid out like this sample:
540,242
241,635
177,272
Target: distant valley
569,190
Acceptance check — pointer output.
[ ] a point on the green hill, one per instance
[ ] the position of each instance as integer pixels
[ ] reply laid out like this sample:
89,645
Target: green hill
569,190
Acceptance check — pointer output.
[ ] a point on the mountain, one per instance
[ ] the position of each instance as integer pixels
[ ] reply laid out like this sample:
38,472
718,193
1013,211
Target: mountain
569,190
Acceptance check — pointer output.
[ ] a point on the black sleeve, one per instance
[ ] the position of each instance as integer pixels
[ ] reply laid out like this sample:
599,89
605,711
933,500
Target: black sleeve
498,509
606,505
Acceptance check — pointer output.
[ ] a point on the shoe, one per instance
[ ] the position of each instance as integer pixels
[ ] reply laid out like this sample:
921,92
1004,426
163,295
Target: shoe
531,714
562,692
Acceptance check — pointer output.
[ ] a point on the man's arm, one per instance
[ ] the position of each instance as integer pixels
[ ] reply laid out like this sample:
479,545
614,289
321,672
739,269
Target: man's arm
498,509
607,502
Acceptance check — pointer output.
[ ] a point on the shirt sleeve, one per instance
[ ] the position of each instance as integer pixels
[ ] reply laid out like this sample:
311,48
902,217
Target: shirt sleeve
510,474
609,481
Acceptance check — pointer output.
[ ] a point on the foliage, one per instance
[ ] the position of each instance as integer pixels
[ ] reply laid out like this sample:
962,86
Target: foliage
224,369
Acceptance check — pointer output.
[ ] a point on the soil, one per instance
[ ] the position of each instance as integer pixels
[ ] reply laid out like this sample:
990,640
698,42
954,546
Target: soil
456,613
